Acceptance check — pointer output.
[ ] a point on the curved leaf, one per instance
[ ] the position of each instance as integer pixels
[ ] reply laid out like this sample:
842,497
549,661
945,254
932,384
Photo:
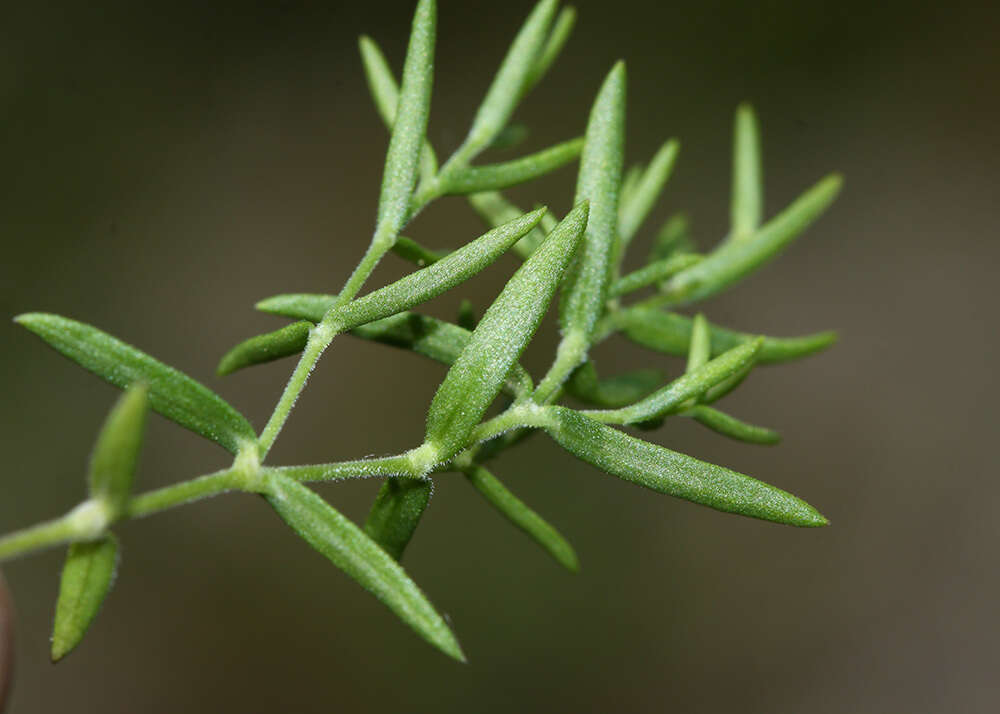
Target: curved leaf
477,179
732,427
171,393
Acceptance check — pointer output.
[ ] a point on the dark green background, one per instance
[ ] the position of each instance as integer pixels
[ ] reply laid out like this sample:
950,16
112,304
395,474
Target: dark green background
166,164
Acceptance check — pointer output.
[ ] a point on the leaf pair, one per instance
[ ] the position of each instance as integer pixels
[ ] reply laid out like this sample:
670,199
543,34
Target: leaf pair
90,565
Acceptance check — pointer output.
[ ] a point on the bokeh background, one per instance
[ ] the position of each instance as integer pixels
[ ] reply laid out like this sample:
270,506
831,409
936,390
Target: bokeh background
165,164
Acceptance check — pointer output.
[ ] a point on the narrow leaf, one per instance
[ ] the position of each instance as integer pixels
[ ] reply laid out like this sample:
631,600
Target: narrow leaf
747,206
426,283
348,548
385,92
498,340
612,392
671,333
653,273
630,181
600,177
560,33
86,580
512,78
732,427
436,339
689,386
676,474
523,517
496,210
171,393
701,343
287,341
734,260
643,195
476,179
408,132
396,512
113,464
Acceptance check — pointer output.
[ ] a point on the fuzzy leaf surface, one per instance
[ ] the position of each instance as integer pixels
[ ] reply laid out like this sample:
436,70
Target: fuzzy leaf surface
347,547
477,376
676,474
171,393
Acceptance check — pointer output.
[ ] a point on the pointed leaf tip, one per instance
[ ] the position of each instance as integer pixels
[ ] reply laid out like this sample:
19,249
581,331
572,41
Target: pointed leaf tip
172,393
86,580
351,550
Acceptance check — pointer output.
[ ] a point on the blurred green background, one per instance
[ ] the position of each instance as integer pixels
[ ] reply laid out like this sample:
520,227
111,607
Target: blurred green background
166,164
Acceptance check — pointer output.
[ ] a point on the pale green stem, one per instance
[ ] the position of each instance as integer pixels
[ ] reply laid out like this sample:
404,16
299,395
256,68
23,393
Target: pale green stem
44,535
319,339
572,351
185,492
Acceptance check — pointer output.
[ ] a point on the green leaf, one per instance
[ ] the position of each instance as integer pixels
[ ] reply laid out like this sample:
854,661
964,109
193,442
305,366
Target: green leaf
676,474
436,339
498,340
653,273
671,333
689,386
396,512
476,179
348,548
747,205
560,33
512,78
673,237
410,250
643,195
112,466
600,177
426,283
630,181
408,132
86,580
287,341
385,92
522,516
496,210
171,393
612,392
733,427
734,260
700,348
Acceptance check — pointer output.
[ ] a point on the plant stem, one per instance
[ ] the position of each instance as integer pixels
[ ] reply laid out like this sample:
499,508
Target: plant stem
44,535
180,493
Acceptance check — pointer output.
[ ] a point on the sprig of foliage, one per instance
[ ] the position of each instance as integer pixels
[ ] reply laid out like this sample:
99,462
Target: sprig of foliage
579,256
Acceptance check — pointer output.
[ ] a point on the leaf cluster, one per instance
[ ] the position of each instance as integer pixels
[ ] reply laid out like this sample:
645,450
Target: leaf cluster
578,257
